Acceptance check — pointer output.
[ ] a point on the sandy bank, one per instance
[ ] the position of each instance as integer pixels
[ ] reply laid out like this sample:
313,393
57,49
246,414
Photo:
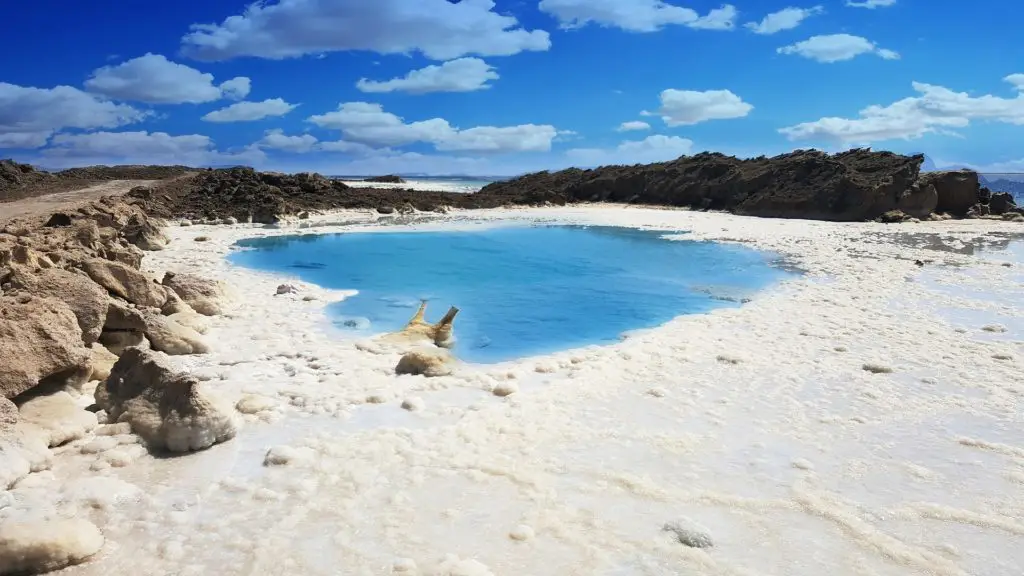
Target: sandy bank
863,419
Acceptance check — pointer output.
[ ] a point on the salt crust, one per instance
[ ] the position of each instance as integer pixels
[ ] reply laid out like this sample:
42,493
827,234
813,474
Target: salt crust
796,458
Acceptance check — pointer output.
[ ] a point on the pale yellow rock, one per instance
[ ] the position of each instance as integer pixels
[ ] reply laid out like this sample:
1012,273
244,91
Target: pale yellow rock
102,361
418,330
39,547
429,362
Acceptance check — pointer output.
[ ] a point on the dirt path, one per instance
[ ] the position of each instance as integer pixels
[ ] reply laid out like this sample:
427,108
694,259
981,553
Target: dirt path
49,203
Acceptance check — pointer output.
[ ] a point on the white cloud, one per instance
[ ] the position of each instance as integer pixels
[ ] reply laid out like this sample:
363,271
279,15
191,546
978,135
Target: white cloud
1017,80
154,79
636,15
250,111
686,107
655,148
278,140
934,110
28,115
836,48
440,29
369,124
236,88
25,140
871,4
785,19
140,148
461,75
634,125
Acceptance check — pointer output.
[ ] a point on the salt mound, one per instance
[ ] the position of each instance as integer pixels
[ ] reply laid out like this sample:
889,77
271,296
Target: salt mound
164,407
59,416
426,362
37,547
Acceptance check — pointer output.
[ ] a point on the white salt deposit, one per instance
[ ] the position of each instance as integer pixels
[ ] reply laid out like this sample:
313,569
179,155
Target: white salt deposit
853,421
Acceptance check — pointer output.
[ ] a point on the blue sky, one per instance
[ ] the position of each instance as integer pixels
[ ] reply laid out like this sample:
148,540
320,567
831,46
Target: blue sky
507,86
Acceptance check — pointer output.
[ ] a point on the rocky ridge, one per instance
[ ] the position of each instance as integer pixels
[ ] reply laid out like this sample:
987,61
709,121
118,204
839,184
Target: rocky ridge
19,181
857,185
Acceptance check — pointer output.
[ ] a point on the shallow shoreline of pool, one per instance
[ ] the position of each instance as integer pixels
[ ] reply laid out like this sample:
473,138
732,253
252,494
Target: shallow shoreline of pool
843,421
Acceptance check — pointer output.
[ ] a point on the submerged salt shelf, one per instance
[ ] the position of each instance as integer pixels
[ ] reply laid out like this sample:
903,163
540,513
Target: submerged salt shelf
523,290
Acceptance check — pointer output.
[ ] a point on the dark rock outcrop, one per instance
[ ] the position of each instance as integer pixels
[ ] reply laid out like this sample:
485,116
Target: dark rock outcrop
386,179
853,185
957,190
1002,202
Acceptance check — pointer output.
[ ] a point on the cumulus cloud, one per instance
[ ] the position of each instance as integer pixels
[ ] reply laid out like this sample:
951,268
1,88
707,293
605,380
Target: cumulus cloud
655,148
154,79
634,125
250,111
440,29
636,15
461,75
836,48
139,148
369,124
29,116
686,107
935,109
871,4
278,140
785,19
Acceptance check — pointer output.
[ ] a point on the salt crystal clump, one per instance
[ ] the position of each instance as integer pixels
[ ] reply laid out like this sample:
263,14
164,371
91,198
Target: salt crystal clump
506,388
59,416
286,455
429,362
38,547
164,407
254,404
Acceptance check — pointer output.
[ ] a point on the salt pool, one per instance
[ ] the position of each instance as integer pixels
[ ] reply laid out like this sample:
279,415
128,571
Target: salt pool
522,290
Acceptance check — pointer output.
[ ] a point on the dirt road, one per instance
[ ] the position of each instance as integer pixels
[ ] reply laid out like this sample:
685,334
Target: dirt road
43,206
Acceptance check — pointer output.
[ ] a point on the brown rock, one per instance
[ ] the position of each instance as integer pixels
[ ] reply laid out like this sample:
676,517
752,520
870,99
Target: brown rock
203,295
8,415
85,298
142,232
127,283
122,316
166,335
39,339
117,341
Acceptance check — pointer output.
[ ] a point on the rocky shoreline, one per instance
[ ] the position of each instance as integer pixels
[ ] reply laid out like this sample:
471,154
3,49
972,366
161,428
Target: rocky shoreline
80,319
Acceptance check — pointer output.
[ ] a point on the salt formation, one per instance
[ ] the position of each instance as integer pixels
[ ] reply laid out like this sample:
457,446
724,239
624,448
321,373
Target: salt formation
164,407
419,330
38,547
429,362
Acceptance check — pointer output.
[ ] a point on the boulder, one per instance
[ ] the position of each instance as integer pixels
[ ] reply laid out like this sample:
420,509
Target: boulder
86,299
958,190
122,316
102,362
117,341
1002,202
203,295
142,232
165,407
126,282
192,320
429,362
39,339
166,335
44,546
918,201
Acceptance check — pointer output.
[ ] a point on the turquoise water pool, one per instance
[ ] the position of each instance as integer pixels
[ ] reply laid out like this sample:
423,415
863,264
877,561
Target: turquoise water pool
522,290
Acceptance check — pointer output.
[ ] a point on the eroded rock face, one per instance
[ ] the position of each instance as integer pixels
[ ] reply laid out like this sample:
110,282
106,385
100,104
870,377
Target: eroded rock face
39,338
204,296
126,282
86,299
165,407
45,546
142,232
957,190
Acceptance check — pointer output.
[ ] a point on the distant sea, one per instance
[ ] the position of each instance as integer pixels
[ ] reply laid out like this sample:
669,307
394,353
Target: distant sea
463,184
